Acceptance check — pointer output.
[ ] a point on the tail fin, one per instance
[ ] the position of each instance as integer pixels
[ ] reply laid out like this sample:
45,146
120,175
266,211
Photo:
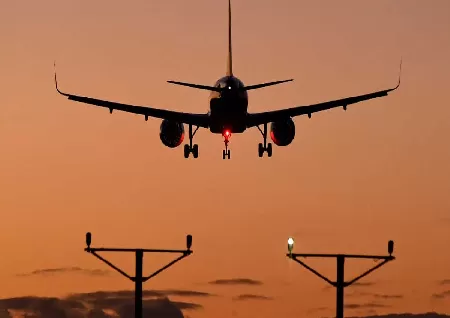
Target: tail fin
230,56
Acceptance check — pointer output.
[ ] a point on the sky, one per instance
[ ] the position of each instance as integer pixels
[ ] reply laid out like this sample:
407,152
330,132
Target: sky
349,182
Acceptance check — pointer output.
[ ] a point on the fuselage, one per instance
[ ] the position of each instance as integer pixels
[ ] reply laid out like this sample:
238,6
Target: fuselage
228,108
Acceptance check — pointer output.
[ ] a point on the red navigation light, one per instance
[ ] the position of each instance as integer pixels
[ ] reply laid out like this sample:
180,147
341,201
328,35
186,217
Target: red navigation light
227,133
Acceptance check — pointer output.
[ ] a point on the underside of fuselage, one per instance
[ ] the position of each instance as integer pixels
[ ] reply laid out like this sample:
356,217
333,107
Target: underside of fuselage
228,108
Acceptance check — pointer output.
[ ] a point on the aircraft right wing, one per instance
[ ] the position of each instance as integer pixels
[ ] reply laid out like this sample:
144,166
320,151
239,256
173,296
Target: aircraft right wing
200,120
256,119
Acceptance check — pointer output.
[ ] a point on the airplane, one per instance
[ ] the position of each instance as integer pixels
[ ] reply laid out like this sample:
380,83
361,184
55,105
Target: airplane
228,111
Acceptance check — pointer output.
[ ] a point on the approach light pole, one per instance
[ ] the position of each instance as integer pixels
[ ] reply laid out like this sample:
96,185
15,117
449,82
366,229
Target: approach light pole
138,279
340,283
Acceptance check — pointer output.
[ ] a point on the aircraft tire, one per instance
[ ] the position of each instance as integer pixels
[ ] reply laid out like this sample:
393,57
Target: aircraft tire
260,150
195,151
269,150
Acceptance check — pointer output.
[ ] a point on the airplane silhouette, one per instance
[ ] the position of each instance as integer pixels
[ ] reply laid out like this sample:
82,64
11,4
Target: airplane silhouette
228,112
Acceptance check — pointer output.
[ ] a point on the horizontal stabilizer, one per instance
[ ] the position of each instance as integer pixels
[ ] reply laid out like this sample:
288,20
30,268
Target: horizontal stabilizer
247,88
208,88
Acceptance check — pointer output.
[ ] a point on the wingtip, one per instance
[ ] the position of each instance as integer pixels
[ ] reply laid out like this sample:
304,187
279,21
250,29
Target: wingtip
56,81
400,72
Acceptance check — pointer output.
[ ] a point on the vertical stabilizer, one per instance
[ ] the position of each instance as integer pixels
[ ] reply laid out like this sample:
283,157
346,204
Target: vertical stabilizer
230,59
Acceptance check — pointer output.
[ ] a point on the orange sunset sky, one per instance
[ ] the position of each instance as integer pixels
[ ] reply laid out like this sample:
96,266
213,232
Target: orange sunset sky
348,183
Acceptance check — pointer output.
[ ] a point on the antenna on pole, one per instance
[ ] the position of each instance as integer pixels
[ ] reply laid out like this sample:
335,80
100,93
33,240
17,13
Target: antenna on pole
138,278
340,283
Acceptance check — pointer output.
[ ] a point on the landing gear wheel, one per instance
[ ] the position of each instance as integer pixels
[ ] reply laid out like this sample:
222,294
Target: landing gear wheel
260,150
226,154
187,151
269,150
195,151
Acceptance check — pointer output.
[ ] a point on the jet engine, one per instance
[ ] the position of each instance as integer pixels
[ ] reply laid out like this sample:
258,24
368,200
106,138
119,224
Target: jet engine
171,133
282,132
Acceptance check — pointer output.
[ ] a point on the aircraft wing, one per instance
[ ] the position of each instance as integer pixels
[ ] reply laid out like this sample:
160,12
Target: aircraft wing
200,120
256,119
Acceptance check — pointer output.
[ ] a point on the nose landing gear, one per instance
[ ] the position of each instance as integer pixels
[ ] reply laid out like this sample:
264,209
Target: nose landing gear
226,152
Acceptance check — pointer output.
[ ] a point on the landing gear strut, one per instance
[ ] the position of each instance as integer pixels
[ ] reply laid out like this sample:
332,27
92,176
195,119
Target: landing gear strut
226,151
188,149
262,147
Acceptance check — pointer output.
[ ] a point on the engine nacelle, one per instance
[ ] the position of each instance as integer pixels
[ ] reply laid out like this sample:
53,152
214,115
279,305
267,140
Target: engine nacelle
282,132
171,133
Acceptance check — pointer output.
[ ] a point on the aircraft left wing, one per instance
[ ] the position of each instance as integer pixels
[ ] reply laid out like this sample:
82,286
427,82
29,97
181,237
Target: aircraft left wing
256,119
200,120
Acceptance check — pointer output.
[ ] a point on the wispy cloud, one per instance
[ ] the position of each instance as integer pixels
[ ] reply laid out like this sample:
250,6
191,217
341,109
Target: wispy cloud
387,296
370,305
441,295
379,296
65,270
251,297
236,281
317,309
105,296
356,284
363,284
444,282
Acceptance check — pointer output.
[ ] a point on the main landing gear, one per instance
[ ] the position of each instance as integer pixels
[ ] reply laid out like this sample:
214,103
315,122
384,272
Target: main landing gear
188,149
265,146
226,151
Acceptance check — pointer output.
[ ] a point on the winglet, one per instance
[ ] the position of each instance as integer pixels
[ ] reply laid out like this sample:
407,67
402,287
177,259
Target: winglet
56,81
399,78
399,75
400,72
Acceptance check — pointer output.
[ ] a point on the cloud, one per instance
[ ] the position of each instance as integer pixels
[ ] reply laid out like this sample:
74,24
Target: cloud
378,296
251,297
444,282
100,296
317,309
64,270
363,284
386,296
355,284
100,305
236,281
441,295
408,315
365,305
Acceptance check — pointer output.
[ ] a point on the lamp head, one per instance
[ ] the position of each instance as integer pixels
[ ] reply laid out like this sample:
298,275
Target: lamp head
188,241
88,239
390,247
290,244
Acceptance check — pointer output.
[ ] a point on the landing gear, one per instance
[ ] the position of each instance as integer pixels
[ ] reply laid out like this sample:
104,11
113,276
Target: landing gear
262,147
189,148
226,152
